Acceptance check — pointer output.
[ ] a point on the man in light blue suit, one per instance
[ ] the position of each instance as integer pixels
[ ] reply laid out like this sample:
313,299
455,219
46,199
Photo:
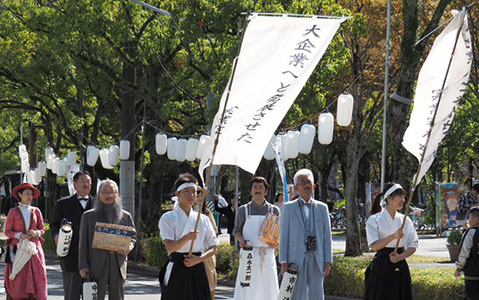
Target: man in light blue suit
305,239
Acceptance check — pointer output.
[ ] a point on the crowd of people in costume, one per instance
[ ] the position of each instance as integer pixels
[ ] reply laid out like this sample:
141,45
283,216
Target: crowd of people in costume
189,233
82,211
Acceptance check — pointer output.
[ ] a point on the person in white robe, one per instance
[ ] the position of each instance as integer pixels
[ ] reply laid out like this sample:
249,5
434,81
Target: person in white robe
184,277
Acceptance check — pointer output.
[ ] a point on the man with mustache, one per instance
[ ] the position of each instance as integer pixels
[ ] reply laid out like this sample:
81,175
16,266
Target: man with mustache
264,281
71,208
107,268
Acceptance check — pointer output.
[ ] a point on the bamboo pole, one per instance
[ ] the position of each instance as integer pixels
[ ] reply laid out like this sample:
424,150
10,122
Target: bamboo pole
215,145
416,179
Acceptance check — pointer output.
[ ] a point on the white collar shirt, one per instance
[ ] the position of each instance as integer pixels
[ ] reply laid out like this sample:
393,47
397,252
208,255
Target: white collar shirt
381,225
305,207
83,202
174,223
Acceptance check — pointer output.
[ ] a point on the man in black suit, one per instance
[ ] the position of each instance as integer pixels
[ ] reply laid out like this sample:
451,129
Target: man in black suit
71,208
229,212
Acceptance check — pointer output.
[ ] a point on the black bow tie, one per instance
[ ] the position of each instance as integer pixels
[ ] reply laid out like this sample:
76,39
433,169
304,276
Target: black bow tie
308,204
85,199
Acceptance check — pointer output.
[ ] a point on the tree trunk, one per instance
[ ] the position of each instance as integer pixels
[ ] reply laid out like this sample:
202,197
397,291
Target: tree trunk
411,55
324,185
353,246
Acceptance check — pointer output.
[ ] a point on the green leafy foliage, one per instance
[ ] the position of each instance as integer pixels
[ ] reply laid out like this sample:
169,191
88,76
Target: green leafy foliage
454,237
48,243
227,261
156,254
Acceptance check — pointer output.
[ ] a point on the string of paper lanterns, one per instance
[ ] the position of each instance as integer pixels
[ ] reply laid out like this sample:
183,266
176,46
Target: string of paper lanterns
294,142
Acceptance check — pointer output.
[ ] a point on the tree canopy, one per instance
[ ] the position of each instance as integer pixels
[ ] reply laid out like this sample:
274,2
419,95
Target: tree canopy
62,67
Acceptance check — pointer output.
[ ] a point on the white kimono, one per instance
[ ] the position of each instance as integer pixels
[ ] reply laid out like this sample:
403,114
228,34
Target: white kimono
175,224
380,225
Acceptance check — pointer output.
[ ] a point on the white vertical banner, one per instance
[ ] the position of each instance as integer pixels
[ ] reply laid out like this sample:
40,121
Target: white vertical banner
441,83
72,170
277,56
278,153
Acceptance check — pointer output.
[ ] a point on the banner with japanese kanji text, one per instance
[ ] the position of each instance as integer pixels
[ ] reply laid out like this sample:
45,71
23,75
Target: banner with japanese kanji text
277,56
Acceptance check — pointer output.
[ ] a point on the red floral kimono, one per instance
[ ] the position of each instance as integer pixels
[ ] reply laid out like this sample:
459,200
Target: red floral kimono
31,281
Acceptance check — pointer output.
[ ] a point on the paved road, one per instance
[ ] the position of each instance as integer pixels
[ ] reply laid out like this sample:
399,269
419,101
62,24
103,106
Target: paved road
429,245
144,287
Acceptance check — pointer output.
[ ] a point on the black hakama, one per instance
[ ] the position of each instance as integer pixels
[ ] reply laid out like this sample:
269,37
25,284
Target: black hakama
184,283
385,280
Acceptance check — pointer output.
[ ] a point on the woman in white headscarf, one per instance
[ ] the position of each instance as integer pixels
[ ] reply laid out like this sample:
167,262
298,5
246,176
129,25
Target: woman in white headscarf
388,276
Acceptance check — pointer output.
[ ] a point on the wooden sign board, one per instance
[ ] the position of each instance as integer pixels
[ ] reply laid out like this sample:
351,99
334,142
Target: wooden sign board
112,237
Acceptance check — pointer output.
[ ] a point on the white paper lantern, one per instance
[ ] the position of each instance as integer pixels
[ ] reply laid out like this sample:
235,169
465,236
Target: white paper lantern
283,139
160,143
50,160
171,148
181,150
325,128
55,165
105,158
204,142
269,152
65,237
124,150
37,175
306,138
191,149
345,109
42,168
113,155
62,167
48,151
293,142
71,158
92,153
30,174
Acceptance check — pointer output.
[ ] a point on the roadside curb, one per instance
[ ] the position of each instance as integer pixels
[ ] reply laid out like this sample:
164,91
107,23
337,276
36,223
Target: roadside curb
140,268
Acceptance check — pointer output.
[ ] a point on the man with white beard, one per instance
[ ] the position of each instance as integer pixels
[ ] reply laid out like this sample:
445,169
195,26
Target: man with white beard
107,268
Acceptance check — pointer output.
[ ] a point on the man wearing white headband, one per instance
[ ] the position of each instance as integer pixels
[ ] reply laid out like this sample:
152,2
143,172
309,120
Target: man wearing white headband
185,277
388,277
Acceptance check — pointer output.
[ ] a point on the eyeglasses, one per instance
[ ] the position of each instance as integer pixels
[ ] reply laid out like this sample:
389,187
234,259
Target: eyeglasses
305,182
108,193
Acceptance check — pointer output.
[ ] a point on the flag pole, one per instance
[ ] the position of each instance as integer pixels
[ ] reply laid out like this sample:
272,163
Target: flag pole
210,168
416,179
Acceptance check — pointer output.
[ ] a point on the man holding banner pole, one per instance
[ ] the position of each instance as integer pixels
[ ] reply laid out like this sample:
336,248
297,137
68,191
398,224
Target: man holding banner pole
305,239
